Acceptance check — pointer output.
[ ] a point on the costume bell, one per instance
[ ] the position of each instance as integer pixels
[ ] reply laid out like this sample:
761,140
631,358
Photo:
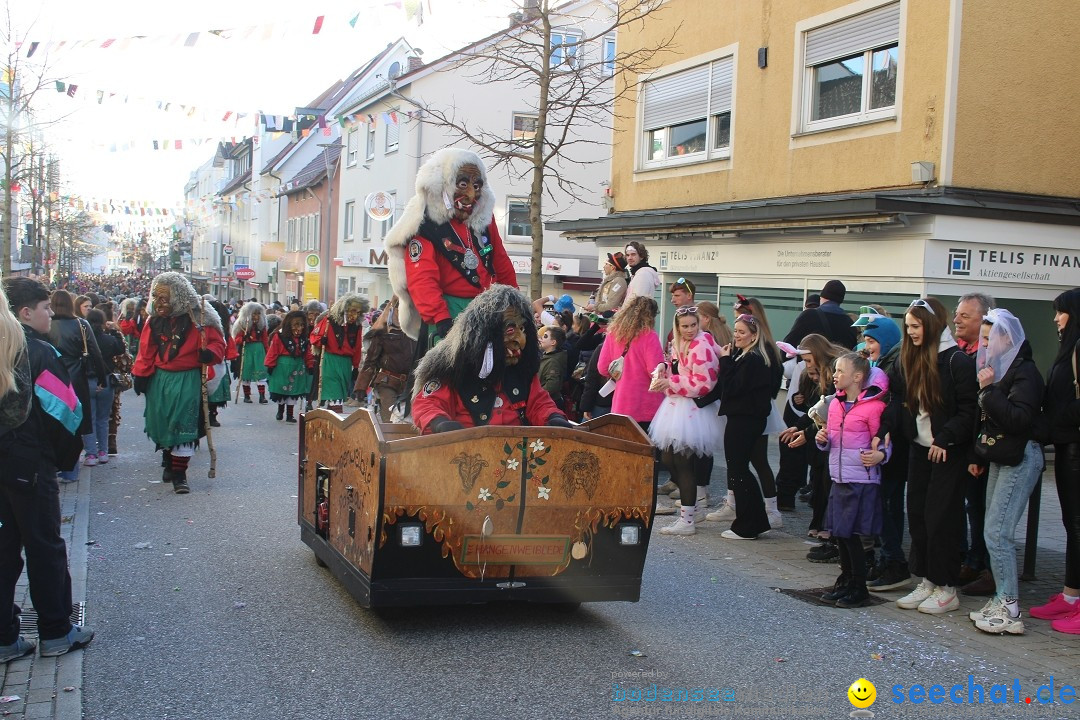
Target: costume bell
446,249
486,370
183,334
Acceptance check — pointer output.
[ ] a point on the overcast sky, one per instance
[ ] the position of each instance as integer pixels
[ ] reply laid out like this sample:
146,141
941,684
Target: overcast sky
278,67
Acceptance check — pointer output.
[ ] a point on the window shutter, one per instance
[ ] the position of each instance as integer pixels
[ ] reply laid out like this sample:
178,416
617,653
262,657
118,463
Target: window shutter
853,35
720,99
392,130
677,98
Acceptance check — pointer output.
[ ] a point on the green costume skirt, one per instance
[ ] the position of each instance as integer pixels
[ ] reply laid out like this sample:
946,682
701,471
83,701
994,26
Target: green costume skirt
174,407
290,378
254,362
223,393
456,306
336,382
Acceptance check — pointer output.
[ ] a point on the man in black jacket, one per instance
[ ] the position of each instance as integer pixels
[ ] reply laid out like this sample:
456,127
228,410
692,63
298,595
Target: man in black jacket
828,319
29,492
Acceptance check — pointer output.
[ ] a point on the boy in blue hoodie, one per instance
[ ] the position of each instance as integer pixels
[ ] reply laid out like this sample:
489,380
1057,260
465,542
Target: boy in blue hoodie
882,338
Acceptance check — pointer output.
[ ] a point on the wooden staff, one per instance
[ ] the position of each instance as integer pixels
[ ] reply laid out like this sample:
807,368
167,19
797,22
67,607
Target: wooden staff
206,399
240,380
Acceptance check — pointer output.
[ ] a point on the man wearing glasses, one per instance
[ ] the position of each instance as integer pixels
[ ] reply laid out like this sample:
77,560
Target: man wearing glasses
828,319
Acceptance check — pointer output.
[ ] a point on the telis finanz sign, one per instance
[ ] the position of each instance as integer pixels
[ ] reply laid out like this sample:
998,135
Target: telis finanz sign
1003,263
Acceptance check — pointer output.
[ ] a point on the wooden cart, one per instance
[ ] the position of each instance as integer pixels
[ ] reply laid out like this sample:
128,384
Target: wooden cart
540,514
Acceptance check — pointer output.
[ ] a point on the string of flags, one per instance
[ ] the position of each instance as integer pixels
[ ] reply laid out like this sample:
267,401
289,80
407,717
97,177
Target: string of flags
413,9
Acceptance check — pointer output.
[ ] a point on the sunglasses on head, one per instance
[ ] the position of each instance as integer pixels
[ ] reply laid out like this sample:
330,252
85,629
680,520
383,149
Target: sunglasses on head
747,318
919,302
688,310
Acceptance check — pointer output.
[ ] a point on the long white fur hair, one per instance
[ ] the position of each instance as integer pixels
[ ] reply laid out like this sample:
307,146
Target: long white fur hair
435,179
183,300
243,318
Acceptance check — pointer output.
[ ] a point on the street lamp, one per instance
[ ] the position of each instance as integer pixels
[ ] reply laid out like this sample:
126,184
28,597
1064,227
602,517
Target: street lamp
324,250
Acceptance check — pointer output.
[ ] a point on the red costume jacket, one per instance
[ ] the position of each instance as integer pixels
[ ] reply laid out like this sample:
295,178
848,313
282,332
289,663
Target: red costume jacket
277,349
128,327
436,399
437,266
323,329
151,359
231,353
253,335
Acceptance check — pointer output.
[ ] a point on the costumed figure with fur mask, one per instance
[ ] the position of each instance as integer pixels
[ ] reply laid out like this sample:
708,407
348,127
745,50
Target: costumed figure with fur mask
446,249
252,341
183,334
315,311
290,363
388,361
219,396
126,319
339,340
486,371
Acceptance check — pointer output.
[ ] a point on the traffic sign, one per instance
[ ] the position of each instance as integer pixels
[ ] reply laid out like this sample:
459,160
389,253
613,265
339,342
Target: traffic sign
244,273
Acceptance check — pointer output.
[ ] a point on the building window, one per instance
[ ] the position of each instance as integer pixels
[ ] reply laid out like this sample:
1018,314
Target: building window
524,129
315,232
393,130
353,147
517,217
350,215
366,234
565,48
290,240
370,155
687,115
609,56
851,69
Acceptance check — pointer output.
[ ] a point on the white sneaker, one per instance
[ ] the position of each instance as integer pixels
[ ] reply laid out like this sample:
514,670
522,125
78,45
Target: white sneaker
942,600
914,598
675,494
999,621
986,611
679,527
663,508
666,488
776,521
732,535
724,513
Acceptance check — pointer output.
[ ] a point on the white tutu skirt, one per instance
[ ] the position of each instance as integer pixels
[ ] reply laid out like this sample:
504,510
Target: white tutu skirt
775,423
681,426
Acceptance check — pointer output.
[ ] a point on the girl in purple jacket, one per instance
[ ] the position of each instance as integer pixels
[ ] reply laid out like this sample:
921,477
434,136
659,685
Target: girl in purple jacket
854,507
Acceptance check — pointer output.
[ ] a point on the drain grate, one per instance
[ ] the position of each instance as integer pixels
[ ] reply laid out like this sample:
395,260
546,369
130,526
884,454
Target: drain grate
28,620
813,596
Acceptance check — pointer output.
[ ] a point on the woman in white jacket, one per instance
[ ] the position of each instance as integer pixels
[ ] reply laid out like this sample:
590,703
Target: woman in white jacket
644,280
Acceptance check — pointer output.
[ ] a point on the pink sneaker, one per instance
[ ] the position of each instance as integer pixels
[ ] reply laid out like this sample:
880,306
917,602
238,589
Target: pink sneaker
1070,624
102,457
90,460
1055,609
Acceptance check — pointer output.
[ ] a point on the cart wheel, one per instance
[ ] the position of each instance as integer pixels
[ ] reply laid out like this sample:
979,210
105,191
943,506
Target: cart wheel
319,561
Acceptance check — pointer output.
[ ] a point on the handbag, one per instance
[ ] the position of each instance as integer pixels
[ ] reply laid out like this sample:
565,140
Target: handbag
997,447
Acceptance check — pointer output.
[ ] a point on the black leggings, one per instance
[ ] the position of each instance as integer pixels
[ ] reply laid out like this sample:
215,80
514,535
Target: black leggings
759,458
852,559
704,470
1067,478
683,470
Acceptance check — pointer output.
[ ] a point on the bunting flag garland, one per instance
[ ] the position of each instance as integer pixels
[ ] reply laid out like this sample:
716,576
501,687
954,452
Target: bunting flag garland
392,117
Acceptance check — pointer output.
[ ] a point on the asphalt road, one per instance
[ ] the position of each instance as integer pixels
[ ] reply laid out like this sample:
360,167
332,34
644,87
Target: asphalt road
225,614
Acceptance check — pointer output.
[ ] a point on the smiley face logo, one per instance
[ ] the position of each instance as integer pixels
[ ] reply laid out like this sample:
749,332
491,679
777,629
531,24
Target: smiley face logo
862,693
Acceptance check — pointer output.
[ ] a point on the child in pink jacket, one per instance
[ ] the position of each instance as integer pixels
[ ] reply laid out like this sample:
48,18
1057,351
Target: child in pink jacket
854,508
631,336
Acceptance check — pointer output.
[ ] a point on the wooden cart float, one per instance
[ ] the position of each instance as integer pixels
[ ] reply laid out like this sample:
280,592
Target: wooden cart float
541,514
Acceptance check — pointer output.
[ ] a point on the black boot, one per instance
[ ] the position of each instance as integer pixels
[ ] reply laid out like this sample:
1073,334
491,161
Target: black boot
856,596
281,411
213,418
826,553
247,393
166,459
289,415
841,587
262,397
179,481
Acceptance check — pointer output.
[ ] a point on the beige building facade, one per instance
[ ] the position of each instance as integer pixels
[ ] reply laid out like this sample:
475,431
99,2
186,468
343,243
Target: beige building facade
907,147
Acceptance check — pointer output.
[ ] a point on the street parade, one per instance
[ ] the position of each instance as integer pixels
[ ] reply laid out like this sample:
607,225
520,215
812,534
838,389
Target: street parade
589,364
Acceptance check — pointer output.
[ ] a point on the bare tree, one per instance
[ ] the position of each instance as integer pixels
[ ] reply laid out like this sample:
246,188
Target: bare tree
23,139
573,83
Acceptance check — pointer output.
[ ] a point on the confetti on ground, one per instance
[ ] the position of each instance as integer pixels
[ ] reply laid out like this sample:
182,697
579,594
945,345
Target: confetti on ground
143,546
9,698
637,653
877,656
237,605
69,688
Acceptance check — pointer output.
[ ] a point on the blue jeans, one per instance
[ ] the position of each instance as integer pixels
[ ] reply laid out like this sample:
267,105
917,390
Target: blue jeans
1007,490
101,402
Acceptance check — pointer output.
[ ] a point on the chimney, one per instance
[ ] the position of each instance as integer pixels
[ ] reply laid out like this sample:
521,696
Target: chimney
532,9
414,63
